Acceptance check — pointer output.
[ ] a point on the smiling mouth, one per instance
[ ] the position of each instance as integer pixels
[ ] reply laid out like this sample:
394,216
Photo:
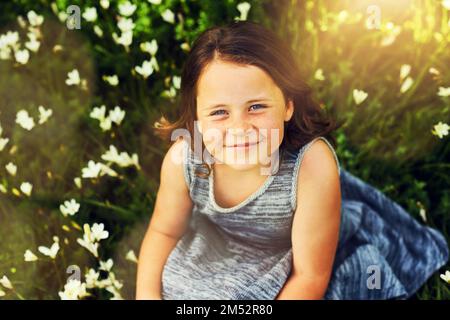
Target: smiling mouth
243,145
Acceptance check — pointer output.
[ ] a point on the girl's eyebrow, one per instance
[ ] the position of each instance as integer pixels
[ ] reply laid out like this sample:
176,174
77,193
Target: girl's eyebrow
249,101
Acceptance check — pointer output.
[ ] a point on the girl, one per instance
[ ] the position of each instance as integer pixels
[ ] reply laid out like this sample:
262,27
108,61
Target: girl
252,202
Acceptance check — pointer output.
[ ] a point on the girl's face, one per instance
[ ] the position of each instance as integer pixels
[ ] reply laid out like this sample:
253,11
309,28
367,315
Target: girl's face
240,105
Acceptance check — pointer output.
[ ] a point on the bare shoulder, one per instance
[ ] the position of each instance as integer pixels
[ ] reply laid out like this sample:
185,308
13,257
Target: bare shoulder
172,168
315,229
319,160
318,176
173,205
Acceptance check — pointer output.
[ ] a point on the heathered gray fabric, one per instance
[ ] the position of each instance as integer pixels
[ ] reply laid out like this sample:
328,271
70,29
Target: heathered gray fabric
245,252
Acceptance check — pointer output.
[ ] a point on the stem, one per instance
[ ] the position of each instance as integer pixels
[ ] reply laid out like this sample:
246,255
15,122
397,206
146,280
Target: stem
123,212
57,272
19,295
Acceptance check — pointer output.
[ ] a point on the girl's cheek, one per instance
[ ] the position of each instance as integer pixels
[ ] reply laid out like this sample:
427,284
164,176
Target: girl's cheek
212,137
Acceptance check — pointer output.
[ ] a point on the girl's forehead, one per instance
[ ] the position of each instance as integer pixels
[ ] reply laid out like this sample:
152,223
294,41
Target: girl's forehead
225,80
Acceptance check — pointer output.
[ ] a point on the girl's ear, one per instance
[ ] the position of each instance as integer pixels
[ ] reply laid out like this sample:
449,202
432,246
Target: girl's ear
289,110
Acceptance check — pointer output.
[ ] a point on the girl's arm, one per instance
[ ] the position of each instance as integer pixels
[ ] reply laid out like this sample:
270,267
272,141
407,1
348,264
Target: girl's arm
315,229
168,223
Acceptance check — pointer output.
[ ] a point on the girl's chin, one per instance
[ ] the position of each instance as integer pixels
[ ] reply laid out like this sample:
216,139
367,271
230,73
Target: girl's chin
241,161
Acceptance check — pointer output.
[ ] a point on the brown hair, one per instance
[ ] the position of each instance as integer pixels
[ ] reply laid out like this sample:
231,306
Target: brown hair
249,43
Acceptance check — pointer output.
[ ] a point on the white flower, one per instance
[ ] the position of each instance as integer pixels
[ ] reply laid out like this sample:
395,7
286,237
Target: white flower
9,39
116,115
446,276
73,78
176,80
77,182
92,170
62,16
434,71
3,142
30,256
171,93
359,96
69,207
44,114
91,237
24,120
21,21
318,75
73,290
111,155
92,278
131,256
104,4
90,246
156,2
392,31
50,252
98,113
26,188
154,63
112,80
125,24
107,170
105,124
446,4
2,293
423,215
98,31
404,71
35,19
88,241
149,47
115,292
113,281
440,129
406,85
33,44
123,159
185,46
127,8
6,283
22,56
145,70
168,16
5,52
106,265
125,39
11,168
243,8
90,14
444,92
98,232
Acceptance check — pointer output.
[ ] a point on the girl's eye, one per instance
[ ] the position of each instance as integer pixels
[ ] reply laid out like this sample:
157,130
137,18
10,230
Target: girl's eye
218,112
261,106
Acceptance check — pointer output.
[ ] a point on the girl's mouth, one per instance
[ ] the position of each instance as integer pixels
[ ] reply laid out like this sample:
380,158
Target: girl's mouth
243,145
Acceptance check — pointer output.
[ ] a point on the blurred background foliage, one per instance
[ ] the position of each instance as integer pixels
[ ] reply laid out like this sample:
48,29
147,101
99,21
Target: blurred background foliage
395,52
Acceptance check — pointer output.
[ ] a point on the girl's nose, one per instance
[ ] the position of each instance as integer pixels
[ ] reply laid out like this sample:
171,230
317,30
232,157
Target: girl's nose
241,129
240,126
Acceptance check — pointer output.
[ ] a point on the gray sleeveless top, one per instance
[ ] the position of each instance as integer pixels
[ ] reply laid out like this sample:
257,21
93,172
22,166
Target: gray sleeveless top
242,252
